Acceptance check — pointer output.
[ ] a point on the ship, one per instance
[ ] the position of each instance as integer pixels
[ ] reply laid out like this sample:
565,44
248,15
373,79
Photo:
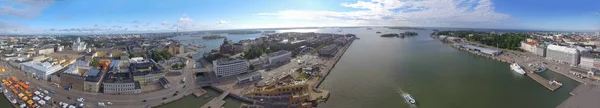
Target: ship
378,32
409,99
515,67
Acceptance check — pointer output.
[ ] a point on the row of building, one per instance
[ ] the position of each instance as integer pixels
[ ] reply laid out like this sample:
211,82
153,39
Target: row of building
115,77
569,54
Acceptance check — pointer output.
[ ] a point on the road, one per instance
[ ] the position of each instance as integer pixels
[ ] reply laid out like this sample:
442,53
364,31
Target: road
154,98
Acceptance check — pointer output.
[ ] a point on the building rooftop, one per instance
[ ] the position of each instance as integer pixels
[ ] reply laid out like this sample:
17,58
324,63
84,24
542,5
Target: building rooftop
280,52
329,47
46,66
89,73
562,49
229,61
118,78
591,54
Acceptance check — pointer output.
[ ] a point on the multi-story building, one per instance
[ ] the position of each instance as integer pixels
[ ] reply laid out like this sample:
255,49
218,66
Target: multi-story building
529,47
590,60
297,94
224,67
541,49
176,49
329,50
59,48
82,78
45,51
78,45
40,70
145,70
120,83
279,57
238,48
563,54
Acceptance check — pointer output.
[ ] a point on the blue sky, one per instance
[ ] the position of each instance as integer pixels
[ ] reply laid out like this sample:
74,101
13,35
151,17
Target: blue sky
98,16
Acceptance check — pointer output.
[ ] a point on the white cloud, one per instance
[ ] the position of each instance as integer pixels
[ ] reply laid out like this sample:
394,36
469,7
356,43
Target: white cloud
186,19
165,23
222,22
454,13
29,8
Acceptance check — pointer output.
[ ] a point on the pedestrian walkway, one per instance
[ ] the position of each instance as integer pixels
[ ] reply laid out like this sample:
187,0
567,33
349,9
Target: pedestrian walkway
217,102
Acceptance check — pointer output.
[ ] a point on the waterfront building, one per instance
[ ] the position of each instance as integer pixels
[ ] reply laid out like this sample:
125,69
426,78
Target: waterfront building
329,50
541,49
226,47
296,93
529,47
78,45
40,70
279,57
120,83
562,54
176,49
249,77
481,50
81,78
224,67
45,51
590,60
145,70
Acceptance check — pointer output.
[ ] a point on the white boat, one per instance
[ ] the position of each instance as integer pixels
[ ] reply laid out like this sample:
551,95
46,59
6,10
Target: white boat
409,98
515,67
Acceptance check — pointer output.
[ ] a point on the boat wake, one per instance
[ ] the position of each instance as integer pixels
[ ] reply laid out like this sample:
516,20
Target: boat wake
402,93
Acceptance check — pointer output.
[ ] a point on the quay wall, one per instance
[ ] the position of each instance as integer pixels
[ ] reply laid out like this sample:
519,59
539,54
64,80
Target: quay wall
336,59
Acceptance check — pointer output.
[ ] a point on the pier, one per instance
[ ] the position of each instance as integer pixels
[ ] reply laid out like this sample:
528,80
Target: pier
543,81
584,96
216,102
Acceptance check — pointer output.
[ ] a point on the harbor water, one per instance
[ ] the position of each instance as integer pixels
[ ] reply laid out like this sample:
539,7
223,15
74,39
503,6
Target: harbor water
375,72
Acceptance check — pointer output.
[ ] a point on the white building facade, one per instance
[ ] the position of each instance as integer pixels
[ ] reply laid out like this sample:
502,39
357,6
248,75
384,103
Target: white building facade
46,51
224,68
279,57
40,70
78,45
528,47
563,54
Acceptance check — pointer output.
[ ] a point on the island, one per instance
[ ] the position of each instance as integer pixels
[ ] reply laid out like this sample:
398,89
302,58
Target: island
390,35
211,37
406,28
401,35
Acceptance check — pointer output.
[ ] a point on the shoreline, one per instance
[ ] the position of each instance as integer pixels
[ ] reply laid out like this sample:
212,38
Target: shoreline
335,61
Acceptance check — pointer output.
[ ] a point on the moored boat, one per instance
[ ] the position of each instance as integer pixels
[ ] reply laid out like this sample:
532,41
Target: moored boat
515,67
541,69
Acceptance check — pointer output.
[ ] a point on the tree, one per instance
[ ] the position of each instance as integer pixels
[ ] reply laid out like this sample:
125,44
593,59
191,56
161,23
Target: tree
175,66
251,67
95,62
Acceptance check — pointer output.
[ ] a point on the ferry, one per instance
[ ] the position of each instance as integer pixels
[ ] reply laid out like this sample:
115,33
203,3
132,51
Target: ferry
515,67
409,99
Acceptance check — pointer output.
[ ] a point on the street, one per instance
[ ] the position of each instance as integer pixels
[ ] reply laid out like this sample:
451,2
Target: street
154,98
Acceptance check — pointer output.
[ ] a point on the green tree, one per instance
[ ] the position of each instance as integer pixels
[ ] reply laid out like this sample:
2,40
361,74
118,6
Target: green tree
95,62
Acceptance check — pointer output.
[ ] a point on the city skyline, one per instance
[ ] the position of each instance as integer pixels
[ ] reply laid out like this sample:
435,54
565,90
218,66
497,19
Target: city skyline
76,16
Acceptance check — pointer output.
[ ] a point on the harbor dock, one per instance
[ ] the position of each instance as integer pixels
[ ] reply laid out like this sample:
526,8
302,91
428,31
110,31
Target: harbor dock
199,92
507,59
543,81
217,102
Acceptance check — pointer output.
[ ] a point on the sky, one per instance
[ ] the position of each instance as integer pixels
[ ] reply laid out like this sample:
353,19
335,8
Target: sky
105,16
